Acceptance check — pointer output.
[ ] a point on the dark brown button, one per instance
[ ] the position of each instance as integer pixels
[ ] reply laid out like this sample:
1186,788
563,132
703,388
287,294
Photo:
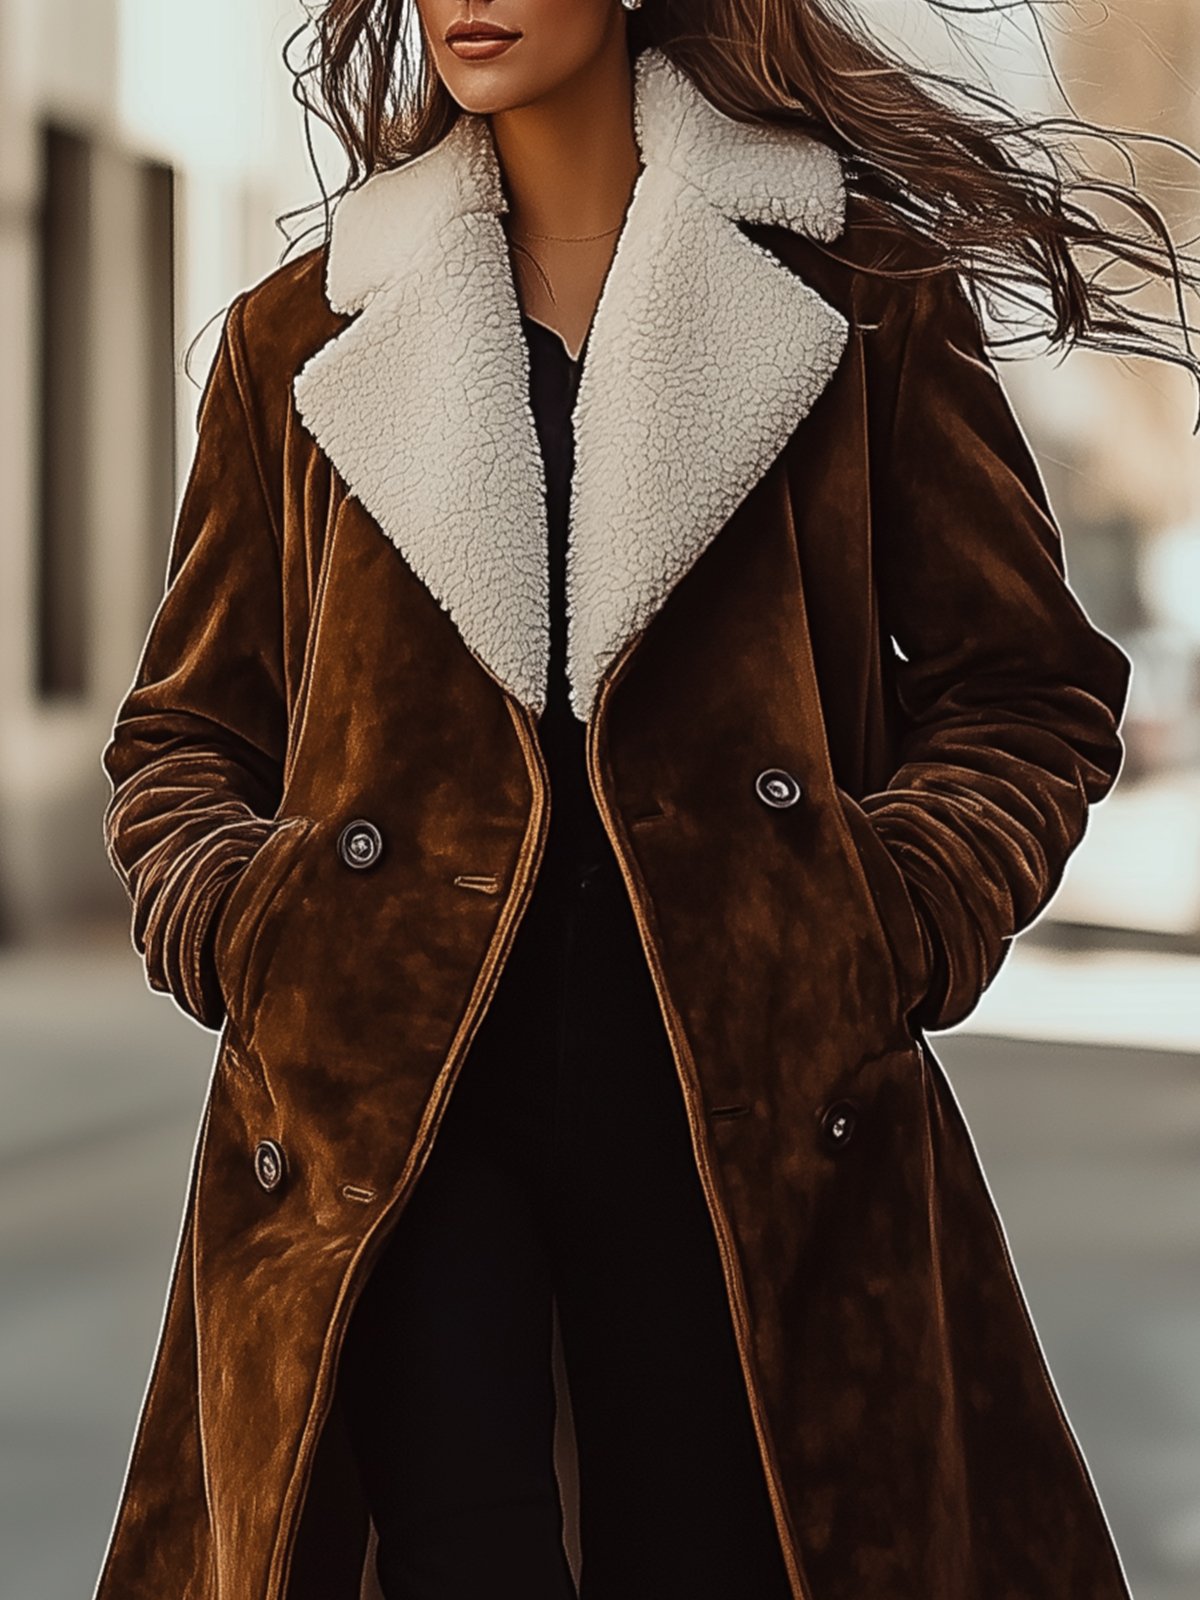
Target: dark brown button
777,788
837,1125
360,843
270,1164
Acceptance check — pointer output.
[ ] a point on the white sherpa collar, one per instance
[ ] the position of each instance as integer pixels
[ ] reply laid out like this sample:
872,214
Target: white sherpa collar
705,353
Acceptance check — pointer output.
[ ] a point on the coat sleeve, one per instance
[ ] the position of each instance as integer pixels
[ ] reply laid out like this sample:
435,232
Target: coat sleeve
196,753
1011,699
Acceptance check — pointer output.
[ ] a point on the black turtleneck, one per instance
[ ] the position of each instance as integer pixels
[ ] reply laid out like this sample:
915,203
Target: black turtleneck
576,835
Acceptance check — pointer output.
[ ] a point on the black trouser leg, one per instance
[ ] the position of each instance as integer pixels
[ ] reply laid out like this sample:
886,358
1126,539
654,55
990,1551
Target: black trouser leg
447,1384
673,1497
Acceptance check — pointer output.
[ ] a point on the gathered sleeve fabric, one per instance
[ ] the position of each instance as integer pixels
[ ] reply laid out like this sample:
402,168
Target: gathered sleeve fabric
1011,697
195,758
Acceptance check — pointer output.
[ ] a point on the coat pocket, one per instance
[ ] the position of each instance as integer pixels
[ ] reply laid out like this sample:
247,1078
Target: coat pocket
247,904
893,904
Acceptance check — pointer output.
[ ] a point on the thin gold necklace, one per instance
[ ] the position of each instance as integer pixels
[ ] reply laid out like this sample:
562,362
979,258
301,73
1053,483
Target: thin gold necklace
564,238
518,235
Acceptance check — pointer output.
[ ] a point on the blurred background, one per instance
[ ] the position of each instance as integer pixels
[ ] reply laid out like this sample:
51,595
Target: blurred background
146,147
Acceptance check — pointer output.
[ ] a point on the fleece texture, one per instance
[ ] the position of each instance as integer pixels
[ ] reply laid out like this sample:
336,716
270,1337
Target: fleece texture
705,352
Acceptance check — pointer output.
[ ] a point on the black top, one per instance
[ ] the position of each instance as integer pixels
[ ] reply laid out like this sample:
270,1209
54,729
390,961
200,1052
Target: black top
576,836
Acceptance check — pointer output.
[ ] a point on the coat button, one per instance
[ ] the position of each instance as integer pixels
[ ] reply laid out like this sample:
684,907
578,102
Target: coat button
360,843
777,787
269,1163
837,1124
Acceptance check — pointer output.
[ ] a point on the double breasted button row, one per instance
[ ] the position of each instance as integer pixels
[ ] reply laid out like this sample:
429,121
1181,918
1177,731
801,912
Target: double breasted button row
270,1164
777,787
360,843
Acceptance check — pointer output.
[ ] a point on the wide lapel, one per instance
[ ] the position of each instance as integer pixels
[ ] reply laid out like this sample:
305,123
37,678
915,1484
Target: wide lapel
705,353
422,402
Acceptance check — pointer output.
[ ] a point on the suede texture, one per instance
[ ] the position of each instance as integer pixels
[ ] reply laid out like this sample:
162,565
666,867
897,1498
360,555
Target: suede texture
886,616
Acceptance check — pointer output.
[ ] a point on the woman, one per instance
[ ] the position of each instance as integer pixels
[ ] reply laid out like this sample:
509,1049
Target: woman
572,913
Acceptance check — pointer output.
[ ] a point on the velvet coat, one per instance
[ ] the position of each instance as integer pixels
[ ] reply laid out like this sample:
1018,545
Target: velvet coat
808,534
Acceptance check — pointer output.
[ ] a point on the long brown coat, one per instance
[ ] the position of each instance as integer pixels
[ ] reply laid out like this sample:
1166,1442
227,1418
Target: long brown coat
808,535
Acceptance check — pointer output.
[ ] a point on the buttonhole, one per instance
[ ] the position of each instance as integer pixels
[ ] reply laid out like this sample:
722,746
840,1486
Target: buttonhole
729,1111
353,1192
647,816
484,882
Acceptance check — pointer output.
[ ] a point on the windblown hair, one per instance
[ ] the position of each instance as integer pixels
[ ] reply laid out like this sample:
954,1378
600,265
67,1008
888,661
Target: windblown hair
1000,196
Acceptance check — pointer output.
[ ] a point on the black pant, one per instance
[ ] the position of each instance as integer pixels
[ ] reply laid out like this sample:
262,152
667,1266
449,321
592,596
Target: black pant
563,1168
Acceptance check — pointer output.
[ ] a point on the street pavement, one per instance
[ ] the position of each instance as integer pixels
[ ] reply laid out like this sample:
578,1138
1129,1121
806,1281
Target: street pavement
1090,1144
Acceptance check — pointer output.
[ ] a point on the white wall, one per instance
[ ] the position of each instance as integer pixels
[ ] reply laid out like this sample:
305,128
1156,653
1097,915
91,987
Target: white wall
202,87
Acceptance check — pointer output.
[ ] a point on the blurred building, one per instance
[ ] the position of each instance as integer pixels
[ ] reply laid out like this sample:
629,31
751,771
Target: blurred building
146,147
1122,461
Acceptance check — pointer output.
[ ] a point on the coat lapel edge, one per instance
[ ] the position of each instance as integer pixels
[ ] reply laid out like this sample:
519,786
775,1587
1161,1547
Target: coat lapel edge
422,403
675,428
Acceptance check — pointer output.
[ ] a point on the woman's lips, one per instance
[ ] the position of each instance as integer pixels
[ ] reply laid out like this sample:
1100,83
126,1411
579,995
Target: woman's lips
481,48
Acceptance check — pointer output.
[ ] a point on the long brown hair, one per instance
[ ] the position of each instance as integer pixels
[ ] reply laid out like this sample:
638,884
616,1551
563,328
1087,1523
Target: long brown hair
1001,196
